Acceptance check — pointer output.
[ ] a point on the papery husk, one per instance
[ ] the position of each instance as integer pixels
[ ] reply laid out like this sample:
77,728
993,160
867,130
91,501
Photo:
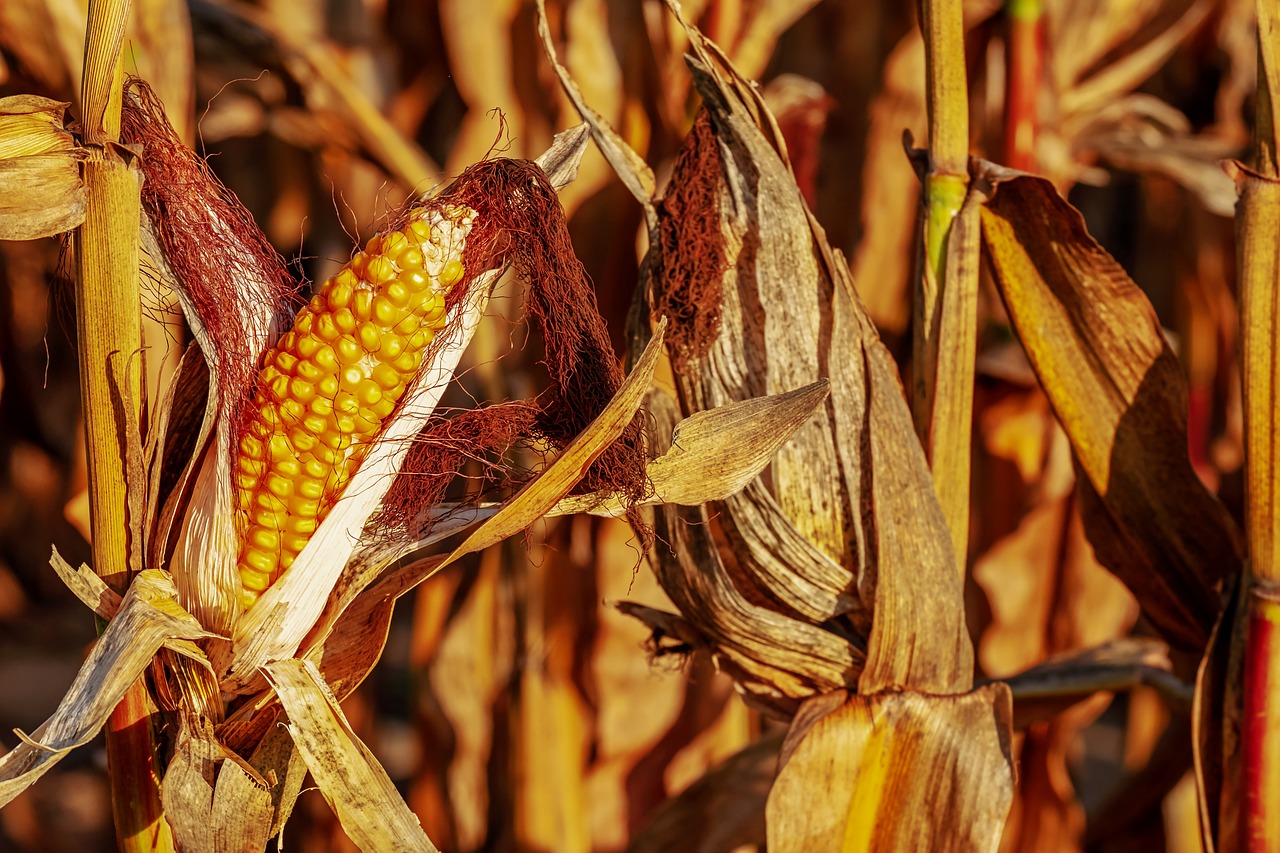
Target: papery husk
345,770
233,288
894,771
212,800
41,191
802,332
148,617
1118,391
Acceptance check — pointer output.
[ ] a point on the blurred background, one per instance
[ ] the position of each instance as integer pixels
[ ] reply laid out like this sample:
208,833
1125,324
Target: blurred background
515,707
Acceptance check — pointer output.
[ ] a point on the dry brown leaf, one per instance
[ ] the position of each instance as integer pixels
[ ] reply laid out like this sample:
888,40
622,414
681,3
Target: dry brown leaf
715,453
41,192
896,771
1119,393
1066,679
149,615
212,801
350,778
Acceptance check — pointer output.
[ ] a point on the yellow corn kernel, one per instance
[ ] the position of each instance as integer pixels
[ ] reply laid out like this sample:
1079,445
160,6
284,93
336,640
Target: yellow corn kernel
344,320
362,304
325,391
381,269
264,538
339,295
392,346
256,579
451,274
411,259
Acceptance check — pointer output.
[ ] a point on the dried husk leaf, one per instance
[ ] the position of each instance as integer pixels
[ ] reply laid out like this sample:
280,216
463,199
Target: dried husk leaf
714,453
897,771
149,615
1142,36
41,191
906,568
277,760
630,167
1119,393
349,776
1063,680
211,799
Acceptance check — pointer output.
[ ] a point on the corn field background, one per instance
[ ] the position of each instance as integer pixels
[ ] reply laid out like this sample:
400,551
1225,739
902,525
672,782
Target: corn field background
516,707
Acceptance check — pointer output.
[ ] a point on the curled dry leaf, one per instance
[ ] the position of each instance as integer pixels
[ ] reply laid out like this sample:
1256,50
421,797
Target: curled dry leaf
896,771
148,617
851,476
1119,393
1064,680
41,192
212,800
715,453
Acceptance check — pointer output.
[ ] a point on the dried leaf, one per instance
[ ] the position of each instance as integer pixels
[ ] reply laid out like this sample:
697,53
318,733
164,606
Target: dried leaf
41,192
211,800
149,615
1064,680
896,771
630,166
1119,393
715,453
350,778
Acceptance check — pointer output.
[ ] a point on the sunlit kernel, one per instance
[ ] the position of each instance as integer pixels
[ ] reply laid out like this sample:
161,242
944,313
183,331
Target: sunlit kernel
307,346
392,346
451,274
326,359
397,294
370,337
257,575
362,305
311,490
344,320
349,350
421,231
339,295
381,269
385,376
411,259
326,329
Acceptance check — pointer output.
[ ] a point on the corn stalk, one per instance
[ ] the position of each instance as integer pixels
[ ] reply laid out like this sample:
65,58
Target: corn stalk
1259,225
1022,86
945,313
109,324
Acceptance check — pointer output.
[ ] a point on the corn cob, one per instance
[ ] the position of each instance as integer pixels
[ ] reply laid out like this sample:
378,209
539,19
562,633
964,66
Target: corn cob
329,384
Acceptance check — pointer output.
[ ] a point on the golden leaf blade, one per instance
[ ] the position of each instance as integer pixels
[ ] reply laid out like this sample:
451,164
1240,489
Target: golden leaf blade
146,620
715,453
897,771
1119,393
355,785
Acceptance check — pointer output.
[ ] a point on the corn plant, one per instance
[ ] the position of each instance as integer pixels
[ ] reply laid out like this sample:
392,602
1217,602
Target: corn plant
803,499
